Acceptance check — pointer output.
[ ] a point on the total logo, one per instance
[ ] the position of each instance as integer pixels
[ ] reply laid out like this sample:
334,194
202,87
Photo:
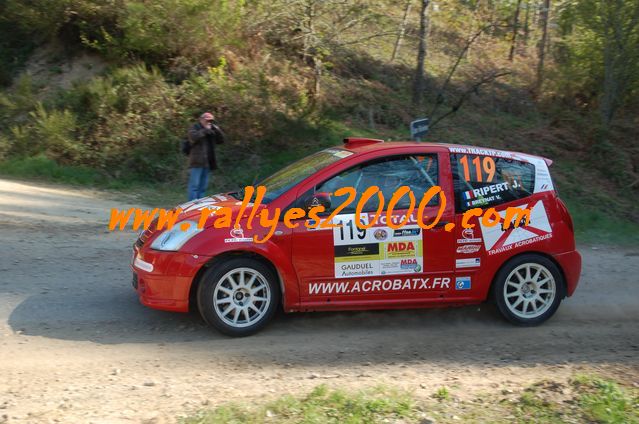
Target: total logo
468,236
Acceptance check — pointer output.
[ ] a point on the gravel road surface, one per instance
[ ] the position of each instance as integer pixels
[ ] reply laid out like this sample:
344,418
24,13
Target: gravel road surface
76,346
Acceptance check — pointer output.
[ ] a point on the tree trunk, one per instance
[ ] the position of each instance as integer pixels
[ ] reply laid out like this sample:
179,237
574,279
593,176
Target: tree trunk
513,41
419,81
402,30
615,61
309,36
543,23
619,31
318,78
527,24
310,50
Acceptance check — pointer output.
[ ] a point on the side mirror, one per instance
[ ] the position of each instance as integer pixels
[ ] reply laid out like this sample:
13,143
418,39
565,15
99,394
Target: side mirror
318,199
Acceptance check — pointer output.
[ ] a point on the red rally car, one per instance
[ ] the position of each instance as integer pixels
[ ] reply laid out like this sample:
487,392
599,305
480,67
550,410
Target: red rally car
237,284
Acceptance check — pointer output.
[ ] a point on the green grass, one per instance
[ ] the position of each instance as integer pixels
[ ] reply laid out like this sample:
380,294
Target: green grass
595,226
42,168
585,399
533,409
603,401
442,394
322,405
595,400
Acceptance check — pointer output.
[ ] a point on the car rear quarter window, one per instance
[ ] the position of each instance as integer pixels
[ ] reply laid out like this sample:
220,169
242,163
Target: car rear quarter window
485,181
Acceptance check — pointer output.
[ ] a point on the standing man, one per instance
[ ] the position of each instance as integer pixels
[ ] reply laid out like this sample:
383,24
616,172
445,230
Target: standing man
202,136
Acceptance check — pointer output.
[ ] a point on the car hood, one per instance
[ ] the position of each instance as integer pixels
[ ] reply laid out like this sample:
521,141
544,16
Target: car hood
193,210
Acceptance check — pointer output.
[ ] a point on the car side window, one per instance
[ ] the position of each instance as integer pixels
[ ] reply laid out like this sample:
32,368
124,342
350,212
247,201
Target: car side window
486,181
418,172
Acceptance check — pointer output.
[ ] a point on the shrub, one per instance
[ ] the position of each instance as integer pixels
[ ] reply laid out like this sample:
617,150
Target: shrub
55,130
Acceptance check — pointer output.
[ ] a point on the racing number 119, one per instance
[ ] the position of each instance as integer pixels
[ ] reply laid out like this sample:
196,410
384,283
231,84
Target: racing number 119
361,232
488,165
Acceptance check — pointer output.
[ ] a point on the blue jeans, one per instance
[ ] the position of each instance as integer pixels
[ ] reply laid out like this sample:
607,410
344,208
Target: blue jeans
198,181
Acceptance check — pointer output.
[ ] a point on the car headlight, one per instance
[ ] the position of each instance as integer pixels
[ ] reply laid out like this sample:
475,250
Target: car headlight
174,239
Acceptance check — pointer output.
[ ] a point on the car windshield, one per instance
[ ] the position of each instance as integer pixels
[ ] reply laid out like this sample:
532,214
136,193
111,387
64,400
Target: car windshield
286,178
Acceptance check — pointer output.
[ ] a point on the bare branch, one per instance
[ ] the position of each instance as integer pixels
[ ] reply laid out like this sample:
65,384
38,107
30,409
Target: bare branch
461,55
370,37
473,89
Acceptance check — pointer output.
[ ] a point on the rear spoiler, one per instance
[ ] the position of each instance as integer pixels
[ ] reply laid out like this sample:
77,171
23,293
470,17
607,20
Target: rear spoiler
548,161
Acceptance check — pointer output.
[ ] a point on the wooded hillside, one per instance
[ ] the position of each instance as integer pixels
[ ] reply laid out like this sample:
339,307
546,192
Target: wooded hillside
108,87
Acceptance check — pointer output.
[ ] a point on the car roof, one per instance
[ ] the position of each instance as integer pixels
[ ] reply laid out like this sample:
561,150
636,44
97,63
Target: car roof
365,145
385,145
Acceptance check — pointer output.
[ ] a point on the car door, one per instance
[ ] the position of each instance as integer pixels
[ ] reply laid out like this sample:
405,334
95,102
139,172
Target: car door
347,266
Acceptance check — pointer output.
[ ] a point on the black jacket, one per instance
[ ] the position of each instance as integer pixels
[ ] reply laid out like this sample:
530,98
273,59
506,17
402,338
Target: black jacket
203,143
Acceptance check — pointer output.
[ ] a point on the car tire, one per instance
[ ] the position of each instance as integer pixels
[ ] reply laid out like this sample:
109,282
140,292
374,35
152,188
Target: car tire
528,289
238,296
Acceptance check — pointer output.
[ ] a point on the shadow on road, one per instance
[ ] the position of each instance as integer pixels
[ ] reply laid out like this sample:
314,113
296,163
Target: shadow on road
466,335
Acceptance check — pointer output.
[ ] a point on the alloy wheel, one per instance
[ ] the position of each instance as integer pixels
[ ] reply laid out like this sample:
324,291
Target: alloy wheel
530,290
241,297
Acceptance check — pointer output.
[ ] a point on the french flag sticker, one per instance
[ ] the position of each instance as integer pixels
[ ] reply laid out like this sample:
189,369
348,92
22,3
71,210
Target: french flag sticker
468,195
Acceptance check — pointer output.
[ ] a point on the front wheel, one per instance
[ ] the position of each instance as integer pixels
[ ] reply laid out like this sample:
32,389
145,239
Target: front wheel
238,296
528,290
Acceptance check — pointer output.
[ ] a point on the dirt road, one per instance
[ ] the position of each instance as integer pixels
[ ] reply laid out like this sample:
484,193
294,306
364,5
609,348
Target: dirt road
76,346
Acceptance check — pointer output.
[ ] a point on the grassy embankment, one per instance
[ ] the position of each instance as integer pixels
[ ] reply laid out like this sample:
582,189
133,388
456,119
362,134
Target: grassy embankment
584,399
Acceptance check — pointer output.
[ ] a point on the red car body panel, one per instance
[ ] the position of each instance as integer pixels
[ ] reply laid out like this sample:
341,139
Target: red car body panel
304,259
167,286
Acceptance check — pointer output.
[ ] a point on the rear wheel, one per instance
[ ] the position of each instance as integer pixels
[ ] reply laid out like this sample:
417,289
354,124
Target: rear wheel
238,296
528,290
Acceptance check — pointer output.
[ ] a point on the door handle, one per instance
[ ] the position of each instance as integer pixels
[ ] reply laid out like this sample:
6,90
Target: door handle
441,224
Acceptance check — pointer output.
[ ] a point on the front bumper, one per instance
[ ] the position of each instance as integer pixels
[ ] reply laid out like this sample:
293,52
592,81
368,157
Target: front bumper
163,280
